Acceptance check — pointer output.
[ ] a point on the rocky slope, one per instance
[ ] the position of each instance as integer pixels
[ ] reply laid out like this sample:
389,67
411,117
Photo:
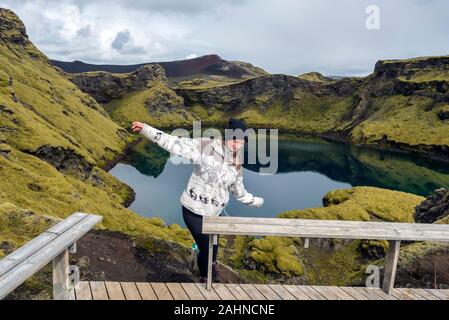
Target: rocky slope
104,86
403,105
434,209
54,143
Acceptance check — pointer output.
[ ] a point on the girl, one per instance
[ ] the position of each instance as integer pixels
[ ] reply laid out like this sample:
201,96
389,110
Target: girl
217,171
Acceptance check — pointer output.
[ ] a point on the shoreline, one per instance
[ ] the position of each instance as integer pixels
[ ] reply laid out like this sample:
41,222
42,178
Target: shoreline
131,197
111,163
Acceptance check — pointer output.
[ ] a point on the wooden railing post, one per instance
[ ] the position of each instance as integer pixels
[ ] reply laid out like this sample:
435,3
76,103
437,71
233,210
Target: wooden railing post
391,263
212,240
61,289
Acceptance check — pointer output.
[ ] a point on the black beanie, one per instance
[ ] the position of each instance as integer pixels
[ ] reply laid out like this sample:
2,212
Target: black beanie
235,124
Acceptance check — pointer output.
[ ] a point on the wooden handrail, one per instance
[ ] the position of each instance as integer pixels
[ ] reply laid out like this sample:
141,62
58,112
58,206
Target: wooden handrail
54,244
333,229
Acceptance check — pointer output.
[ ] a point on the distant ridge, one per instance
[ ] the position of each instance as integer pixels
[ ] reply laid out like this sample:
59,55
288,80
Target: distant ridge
207,65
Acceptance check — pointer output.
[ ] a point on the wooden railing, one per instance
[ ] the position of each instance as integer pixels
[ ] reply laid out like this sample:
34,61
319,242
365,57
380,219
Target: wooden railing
393,232
54,244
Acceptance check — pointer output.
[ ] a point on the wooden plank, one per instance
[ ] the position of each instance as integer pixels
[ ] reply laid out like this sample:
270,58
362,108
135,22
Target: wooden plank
296,292
98,290
267,292
82,291
354,293
331,233
343,295
114,290
311,223
146,291
161,291
34,245
423,293
325,229
329,295
252,292
192,291
379,292
282,292
312,293
237,291
177,291
411,294
223,292
391,262
208,294
16,276
130,291
368,293
399,295
437,293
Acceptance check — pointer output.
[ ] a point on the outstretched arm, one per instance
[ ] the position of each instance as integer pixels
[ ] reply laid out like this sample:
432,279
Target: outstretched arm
240,193
183,147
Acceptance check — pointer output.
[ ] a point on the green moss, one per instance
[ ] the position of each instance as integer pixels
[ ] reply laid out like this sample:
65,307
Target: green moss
362,203
277,255
201,82
167,109
339,266
48,110
403,120
314,77
305,112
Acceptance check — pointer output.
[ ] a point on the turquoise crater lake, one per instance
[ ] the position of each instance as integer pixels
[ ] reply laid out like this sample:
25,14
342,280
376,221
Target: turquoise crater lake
308,168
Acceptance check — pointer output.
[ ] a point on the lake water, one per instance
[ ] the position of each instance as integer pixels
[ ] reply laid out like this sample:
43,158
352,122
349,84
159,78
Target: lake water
308,168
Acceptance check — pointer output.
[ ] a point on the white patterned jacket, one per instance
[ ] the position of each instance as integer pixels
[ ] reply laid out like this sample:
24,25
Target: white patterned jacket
214,174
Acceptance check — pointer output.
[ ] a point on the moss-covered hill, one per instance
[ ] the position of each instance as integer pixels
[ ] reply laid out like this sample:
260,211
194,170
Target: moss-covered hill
54,142
403,105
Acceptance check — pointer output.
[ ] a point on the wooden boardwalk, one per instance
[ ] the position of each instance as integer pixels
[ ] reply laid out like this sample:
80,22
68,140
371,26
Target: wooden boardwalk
99,290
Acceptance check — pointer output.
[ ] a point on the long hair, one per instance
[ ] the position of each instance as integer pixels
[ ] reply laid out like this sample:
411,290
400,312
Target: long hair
236,155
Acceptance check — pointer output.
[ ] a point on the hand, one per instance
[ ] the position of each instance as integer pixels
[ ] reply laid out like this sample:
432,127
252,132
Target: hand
258,202
137,126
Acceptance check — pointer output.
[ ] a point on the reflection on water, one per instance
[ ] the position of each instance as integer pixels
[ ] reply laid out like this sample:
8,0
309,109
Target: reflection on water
307,170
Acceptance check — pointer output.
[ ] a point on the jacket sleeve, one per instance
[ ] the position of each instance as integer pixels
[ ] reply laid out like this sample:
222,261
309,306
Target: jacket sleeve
240,193
184,147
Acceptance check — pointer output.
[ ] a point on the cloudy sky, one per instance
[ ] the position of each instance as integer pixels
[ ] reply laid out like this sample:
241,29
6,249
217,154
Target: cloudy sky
281,36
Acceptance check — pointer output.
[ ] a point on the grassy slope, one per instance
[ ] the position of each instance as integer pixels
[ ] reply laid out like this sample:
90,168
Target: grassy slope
40,107
132,108
403,120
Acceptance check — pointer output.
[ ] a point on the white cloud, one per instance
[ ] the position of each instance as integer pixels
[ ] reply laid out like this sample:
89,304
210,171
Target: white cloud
191,56
288,36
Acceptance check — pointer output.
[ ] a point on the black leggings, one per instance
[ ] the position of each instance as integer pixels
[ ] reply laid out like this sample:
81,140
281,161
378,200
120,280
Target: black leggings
194,223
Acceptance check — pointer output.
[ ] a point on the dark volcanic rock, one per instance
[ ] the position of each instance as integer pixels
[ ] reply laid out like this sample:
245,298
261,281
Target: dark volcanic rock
104,86
396,77
261,91
163,101
435,207
443,114
67,161
12,29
